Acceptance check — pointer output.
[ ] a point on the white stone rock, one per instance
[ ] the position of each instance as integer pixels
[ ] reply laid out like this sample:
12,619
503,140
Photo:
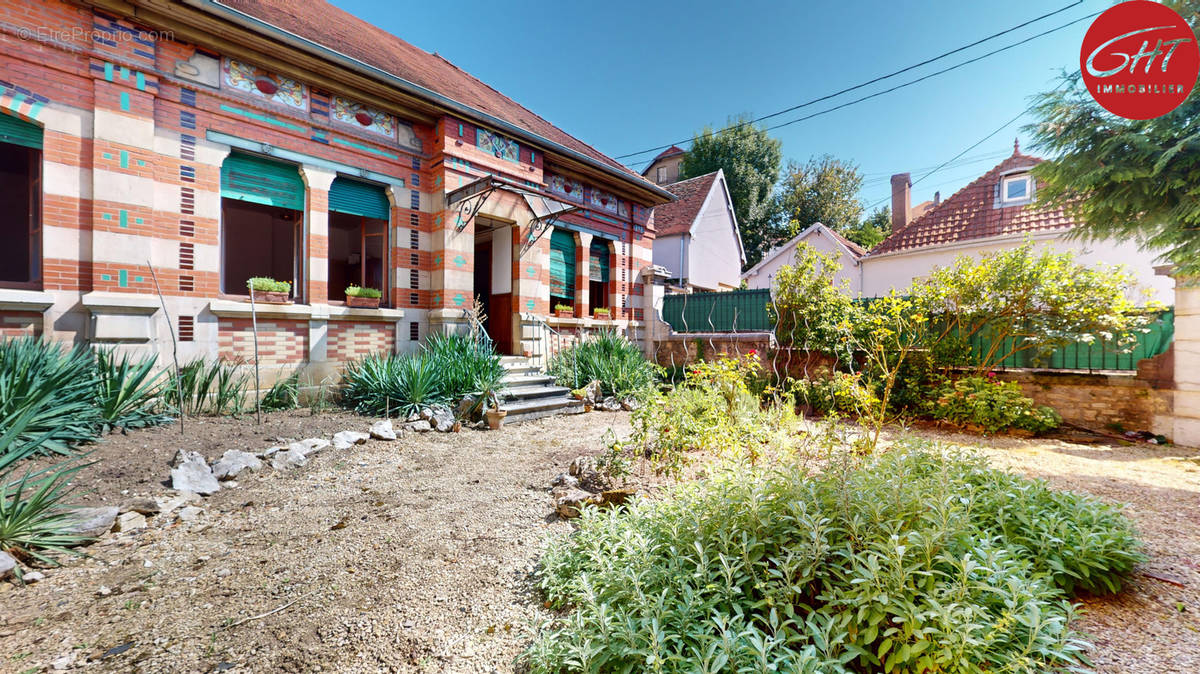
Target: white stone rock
130,521
382,430
313,445
7,564
170,505
420,426
233,462
292,458
190,514
195,475
90,522
442,419
347,439
63,663
33,577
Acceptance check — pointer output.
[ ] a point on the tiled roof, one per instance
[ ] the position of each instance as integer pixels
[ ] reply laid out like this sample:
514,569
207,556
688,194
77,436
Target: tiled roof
677,217
345,33
971,213
854,248
669,152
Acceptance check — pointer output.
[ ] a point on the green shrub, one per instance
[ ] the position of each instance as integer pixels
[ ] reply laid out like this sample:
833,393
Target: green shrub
48,401
266,284
828,391
130,391
391,384
33,516
215,387
356,291
284,394
992,404
609,358
910,561
464,365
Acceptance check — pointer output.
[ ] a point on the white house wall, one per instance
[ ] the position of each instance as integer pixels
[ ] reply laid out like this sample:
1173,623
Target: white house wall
883,273
714,258
670,252
849,272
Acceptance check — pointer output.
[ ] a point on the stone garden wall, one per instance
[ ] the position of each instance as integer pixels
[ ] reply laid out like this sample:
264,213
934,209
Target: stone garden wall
1097,401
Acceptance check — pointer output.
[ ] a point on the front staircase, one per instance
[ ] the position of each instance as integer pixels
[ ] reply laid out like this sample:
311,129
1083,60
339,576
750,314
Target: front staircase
531,394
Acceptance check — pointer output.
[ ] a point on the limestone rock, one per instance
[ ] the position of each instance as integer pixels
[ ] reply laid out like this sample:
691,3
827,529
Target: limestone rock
581,465
270,451
233,462
90,522
569,503
610,404
442,419
592,393
347,439
630,404
313,445
130,521
382,430
32,577
144,505
7,564
565,480
420,426
195,475
426,413
292,458
190,514
615,497
170,505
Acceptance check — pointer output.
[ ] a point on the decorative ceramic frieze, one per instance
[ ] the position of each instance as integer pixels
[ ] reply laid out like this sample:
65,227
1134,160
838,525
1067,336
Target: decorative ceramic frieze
497,145
607,202
362,117
263,84
565,186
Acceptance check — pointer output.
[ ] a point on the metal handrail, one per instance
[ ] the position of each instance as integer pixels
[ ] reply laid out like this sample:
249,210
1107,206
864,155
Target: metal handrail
550,333
476,329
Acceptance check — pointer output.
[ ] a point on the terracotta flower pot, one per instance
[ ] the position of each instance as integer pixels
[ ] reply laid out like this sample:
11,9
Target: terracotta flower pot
270,297
563,314
495,418
362,302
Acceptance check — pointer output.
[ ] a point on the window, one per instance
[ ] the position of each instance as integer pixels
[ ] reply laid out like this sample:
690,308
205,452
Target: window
599,265
662,175
21,200
357,254
562,268
262,216
1016,188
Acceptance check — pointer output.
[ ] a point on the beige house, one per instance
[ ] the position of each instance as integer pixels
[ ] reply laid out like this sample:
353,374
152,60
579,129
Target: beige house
696,236
664,169
824,240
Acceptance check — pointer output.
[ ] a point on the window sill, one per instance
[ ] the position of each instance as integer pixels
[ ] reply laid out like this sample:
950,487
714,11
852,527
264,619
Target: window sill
318,312
12,299
359,314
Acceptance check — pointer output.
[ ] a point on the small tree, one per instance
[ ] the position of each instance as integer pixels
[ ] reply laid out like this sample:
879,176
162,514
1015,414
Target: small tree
1022,300
811,311
887,331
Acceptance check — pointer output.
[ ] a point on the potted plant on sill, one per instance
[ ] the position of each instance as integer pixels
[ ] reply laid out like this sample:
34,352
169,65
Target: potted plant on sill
564,310
602,313
267,289
363,298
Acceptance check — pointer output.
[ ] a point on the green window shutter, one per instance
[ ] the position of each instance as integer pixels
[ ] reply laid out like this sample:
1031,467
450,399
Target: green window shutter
562,264
262,181
358,198
19,132
598,269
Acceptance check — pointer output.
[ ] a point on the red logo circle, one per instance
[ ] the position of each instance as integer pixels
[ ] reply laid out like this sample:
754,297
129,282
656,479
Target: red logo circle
1139,59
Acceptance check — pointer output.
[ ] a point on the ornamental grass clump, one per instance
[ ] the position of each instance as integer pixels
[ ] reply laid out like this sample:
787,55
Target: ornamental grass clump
33,516
921,559
609,358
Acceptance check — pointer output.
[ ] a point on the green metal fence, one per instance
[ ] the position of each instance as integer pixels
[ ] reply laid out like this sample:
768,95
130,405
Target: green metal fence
733,311
1098,354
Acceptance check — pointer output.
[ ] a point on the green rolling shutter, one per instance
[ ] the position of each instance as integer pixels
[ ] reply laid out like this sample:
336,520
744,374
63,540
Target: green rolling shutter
262,181
598,269
19,132
562,264
358,198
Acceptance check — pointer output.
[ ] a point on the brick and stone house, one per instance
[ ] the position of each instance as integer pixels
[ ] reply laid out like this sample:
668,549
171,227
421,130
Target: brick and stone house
188,145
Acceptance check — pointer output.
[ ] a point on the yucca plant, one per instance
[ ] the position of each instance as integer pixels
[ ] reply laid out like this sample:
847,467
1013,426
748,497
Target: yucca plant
609,358
464,365
129,391
214,387
392,384
33,515
48,396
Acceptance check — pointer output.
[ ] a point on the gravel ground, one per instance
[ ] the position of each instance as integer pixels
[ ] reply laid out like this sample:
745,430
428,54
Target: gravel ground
413,555
416,555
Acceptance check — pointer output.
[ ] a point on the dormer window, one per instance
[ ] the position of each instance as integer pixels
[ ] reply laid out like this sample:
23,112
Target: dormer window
1016,189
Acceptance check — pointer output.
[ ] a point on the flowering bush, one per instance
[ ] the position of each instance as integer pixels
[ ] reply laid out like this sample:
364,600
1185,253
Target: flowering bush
992,404
833,392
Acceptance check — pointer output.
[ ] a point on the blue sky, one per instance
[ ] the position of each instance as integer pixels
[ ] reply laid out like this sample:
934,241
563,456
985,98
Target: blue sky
628,76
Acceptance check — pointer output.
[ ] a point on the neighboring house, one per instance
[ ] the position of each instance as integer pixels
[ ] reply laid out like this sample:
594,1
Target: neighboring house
696,237
664,169
218,142
998,210
824,240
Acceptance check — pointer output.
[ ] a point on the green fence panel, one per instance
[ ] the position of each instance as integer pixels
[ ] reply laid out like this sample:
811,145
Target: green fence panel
733,311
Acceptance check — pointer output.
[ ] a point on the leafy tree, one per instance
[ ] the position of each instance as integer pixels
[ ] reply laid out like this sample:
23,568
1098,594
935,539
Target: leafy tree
825,190
1125,178
1020,300
870,232
811,311
751,161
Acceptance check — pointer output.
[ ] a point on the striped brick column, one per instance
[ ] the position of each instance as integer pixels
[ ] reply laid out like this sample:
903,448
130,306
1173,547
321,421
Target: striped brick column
583,274
316,237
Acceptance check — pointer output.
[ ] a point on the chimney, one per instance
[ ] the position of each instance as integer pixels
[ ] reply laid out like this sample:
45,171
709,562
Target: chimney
937,198
901,200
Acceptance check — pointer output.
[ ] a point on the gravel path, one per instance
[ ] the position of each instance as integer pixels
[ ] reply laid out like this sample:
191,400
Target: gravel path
405,556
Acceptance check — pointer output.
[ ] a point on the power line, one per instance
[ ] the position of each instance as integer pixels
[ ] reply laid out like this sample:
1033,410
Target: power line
888,76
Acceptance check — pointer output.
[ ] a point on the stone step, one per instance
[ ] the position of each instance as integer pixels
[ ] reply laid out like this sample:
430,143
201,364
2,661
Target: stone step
537,408
537,379
537,391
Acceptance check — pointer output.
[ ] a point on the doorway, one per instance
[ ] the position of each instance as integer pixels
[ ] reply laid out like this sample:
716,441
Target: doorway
493,280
